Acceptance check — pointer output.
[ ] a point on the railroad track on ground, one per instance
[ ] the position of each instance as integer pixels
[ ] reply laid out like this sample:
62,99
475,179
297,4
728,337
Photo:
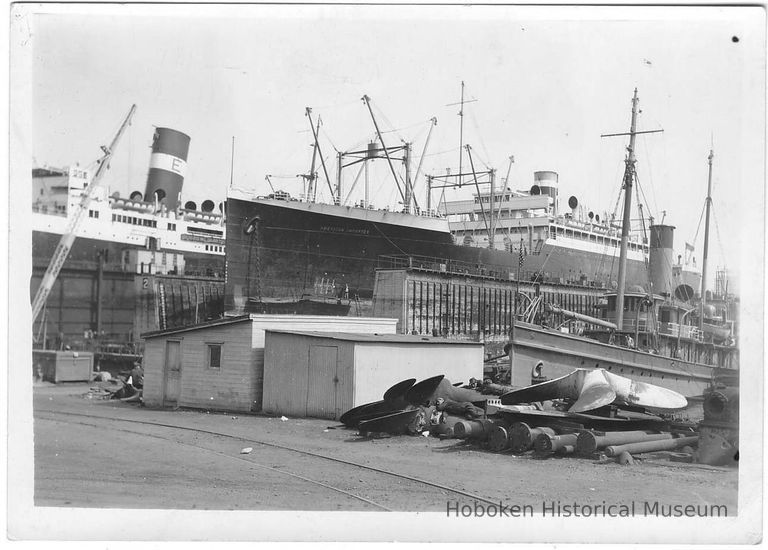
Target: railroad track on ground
55,416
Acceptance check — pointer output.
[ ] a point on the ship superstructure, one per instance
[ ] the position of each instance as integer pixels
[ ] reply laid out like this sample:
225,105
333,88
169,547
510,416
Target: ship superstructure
172,238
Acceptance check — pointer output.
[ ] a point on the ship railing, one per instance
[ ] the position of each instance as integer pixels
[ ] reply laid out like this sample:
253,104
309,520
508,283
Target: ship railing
51,211
681,331
444,265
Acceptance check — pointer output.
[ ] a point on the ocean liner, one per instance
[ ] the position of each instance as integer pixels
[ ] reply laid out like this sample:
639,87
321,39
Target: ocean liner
121,245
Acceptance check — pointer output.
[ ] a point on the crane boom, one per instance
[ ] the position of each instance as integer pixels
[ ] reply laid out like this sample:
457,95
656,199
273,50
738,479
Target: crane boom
68,238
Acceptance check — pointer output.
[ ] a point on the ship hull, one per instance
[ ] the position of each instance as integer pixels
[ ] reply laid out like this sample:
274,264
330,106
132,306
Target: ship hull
561,353
79,302
297,250
83,254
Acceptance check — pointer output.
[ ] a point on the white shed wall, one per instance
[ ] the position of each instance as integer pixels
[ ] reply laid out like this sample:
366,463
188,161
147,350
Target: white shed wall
379,366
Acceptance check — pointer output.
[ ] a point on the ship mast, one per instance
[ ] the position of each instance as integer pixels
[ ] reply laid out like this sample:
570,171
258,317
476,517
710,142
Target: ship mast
629,176
706,244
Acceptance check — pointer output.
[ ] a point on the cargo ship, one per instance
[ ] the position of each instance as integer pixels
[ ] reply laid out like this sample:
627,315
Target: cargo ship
122,244
296,254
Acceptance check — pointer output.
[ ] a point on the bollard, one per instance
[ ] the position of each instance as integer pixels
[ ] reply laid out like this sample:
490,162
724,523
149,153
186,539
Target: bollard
561,444
521,436
587,442
651,446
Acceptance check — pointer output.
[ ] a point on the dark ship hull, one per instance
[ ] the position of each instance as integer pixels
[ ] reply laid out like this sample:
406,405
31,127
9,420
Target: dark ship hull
291,250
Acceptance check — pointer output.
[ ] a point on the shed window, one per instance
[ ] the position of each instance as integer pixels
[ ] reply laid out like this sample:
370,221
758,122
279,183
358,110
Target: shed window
214,356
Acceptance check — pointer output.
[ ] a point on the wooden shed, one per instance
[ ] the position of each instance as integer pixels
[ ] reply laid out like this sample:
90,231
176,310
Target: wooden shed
324,374
219,365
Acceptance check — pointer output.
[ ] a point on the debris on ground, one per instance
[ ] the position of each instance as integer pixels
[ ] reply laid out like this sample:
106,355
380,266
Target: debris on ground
587,414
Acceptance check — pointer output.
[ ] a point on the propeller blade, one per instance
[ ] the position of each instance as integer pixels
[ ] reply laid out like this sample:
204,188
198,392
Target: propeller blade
565,387
595,392
422,391
643,394
398,390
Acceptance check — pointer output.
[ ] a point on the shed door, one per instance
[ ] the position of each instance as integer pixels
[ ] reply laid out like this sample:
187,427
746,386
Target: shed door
172,373
323,382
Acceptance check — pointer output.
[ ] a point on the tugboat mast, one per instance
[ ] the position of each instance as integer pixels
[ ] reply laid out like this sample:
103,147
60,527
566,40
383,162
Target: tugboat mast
629,175
706,245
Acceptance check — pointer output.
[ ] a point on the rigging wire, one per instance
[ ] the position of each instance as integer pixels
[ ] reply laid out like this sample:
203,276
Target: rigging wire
650,173
719,241
479,137
698,227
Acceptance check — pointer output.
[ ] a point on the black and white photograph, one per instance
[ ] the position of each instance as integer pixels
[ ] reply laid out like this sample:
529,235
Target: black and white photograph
386,272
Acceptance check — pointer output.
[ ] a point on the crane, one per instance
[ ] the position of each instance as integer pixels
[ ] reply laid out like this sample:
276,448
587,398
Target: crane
68,238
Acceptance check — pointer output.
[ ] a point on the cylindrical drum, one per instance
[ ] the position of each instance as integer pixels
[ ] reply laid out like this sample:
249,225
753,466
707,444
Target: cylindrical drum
167,167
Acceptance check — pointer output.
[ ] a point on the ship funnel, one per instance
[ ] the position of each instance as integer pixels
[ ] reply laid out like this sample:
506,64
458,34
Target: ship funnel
548,184
207,206
660,259
190,205
167,166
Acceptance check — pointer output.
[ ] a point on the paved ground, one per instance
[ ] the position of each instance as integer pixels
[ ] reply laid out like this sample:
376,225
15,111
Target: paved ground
87,462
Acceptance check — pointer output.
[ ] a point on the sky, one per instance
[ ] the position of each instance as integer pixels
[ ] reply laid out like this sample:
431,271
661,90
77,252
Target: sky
547,82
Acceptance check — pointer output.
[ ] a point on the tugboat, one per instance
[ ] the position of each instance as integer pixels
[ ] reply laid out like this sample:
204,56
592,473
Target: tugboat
649,336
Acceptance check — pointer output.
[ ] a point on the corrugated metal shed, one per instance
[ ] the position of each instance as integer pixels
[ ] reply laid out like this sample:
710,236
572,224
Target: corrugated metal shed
220,364
309,373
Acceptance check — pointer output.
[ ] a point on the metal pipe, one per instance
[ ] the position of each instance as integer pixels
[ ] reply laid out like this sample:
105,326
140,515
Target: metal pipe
548,444
650,446
521,436
498,439
587,442
581,317
473,429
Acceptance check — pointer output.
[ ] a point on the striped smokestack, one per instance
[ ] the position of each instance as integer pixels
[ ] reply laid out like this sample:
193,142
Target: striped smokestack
167,167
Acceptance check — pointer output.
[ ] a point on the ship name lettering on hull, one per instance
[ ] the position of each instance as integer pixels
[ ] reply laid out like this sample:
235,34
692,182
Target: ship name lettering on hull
336,229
